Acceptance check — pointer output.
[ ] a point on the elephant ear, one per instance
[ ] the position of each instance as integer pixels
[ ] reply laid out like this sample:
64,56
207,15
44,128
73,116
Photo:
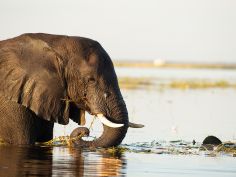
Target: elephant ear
30,74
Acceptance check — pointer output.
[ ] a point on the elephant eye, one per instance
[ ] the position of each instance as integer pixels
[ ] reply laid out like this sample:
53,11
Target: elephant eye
91,80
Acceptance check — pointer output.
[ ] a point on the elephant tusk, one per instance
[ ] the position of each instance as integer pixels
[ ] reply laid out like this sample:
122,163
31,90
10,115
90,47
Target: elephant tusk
108,123
133,125
82,117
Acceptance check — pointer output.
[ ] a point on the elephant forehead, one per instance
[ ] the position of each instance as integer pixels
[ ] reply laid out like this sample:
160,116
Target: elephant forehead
34,43
39,53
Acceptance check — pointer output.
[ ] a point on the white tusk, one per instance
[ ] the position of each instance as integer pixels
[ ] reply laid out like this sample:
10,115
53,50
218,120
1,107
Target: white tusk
133,125
108,123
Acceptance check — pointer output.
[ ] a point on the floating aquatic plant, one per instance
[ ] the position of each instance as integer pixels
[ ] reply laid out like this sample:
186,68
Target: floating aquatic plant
180,147
65,140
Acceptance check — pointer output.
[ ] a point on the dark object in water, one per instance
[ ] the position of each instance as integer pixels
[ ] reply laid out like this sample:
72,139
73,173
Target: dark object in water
209,143
211,140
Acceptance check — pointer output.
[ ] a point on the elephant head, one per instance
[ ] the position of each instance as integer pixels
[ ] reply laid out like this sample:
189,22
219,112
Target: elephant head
61,77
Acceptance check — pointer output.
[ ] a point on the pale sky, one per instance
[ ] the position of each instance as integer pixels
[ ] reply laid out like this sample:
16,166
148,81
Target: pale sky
176,30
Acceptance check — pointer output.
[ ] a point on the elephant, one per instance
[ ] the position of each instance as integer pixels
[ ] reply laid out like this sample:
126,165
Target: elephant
47,79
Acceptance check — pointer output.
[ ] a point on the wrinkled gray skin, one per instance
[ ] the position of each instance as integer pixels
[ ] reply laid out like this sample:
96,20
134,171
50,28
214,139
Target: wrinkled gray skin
50,78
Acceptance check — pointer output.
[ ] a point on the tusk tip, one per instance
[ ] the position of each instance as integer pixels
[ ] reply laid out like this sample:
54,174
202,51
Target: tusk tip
133,125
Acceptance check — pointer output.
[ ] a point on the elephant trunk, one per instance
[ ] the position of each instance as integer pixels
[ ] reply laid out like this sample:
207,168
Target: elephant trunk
111,136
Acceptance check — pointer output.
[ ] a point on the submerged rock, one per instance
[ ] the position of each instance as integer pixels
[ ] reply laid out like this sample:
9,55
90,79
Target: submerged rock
210,142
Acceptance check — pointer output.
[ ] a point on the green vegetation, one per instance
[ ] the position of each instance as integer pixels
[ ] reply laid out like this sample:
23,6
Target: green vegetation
227,149
200,84
114,151
149,83
58,141
134,82
172,147
65,140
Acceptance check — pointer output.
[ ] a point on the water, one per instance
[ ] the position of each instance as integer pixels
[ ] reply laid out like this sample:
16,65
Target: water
175,73
64,161
168,114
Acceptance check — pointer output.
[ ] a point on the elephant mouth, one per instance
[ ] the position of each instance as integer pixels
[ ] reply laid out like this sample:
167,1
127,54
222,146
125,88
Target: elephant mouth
106,121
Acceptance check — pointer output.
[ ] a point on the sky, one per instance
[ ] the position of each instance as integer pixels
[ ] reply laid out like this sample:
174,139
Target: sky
172,30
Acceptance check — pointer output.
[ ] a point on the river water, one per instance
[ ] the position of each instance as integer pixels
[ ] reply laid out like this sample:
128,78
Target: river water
173,118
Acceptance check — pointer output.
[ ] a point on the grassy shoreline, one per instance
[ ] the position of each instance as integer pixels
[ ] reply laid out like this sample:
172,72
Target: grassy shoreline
152,82
163,64
132,83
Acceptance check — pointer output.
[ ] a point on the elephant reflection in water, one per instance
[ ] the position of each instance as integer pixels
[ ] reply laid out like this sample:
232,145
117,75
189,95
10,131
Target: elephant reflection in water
100,164
110,166
25,161
54,161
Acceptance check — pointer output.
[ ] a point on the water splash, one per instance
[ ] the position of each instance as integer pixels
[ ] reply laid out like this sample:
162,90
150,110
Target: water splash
181,147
